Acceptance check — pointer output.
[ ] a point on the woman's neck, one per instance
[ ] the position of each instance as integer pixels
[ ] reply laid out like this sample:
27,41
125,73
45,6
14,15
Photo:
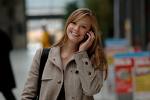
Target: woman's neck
69,47
67,51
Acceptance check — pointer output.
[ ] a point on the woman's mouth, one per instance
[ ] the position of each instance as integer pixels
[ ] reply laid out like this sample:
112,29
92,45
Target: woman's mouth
74,34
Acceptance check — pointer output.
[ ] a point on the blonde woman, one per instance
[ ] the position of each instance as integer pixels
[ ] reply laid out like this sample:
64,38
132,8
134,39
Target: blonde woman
76,64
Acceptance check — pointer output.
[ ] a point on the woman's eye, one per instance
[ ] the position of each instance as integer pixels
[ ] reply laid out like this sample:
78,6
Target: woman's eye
83,27
73,23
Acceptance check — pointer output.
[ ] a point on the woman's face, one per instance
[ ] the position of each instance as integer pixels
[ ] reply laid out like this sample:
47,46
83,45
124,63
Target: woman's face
77,30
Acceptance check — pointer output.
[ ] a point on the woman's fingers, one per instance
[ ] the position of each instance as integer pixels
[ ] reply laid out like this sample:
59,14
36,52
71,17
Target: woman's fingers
87,44
92,37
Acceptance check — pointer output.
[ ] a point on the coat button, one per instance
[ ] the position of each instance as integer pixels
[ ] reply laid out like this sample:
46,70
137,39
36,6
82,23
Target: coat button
76,71
86,63
89,73
59,81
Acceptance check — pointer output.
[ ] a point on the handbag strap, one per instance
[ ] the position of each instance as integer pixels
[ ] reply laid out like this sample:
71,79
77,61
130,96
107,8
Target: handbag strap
43,60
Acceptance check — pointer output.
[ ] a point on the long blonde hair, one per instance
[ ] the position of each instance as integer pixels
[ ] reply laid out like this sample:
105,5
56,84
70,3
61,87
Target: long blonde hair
96,51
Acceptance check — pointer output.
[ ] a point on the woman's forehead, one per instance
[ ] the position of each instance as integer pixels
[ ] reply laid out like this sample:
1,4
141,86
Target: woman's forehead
84,19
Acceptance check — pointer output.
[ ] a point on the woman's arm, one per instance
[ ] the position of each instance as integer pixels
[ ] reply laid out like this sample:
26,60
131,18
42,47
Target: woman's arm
30,88
91,79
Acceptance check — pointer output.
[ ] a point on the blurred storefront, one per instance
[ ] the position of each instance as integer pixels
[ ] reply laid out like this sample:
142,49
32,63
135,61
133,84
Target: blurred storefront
132,20
23,19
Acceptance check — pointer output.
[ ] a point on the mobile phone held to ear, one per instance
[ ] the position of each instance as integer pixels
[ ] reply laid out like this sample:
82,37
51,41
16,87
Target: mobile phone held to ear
85,38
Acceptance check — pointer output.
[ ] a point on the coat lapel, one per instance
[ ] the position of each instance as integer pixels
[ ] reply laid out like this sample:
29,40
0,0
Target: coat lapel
55,58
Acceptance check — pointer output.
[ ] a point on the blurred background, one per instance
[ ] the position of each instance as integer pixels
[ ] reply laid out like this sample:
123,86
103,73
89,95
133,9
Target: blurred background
125,26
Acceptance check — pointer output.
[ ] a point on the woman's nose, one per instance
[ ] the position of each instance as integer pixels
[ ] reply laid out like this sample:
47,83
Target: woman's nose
76,27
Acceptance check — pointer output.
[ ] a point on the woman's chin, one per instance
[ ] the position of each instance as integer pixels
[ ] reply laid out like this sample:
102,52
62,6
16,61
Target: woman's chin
74,40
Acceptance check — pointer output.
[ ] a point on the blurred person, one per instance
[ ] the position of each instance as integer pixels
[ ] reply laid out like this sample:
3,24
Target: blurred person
45,38
76,66
7,80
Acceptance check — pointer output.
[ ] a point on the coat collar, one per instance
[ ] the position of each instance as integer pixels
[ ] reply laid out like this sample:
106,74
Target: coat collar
55,58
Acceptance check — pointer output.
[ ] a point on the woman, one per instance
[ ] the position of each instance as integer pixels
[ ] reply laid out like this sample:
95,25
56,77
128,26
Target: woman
75,65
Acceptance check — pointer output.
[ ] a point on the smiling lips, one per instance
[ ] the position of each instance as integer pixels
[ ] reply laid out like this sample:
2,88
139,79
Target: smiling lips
74,34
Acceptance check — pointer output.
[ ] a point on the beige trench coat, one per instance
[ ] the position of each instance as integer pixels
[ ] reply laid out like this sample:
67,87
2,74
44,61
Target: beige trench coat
80,79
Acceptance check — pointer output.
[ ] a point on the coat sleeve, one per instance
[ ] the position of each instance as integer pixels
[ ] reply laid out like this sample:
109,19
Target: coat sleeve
91,79
30,88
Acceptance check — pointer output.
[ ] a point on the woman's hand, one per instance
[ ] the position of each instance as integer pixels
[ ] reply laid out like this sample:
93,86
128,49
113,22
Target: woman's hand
88,43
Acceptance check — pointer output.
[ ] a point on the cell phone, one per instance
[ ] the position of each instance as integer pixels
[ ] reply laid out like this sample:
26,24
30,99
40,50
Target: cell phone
85,38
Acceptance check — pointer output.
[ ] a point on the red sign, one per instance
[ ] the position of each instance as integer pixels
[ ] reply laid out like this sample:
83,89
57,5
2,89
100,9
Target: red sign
123,76
123,79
